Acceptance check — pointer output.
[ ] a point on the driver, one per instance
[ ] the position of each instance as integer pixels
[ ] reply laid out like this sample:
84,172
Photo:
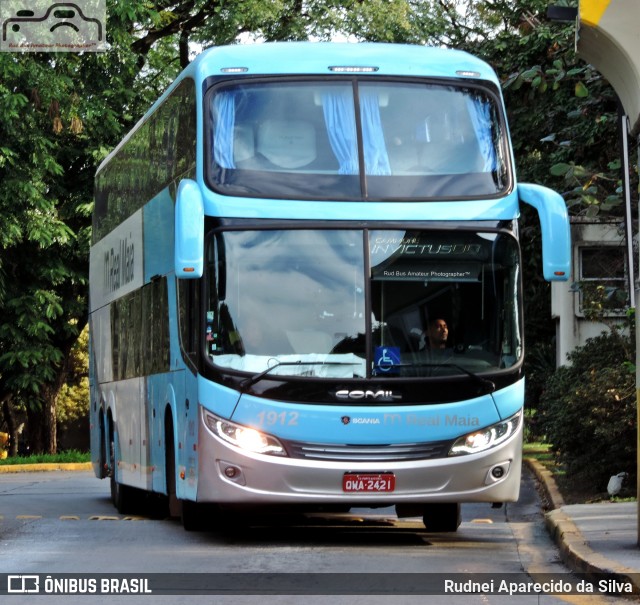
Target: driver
438,333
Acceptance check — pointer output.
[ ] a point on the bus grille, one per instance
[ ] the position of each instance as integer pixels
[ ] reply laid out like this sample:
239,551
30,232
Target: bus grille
368,453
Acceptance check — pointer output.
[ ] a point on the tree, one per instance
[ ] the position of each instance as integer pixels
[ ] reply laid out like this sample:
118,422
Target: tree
63,112
54,129
59,113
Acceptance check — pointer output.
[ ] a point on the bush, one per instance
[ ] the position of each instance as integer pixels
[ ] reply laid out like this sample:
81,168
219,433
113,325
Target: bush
539,364
588,412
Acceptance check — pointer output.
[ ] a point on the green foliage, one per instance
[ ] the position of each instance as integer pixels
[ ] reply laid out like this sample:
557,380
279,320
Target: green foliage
599,300
563,114
59,112
588,411
539,364
73,399
67,457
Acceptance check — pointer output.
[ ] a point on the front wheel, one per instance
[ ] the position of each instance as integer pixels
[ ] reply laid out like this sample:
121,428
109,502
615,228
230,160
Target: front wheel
195,516
442,516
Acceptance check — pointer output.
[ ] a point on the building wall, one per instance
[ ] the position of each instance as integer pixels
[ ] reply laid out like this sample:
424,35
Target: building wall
572,328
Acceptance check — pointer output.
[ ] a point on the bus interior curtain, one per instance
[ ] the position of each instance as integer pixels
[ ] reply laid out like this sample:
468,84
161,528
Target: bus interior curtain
376,160
224,117
480,114
341,129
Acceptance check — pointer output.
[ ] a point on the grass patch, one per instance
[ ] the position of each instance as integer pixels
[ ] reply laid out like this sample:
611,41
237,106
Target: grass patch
538,450
573,492
71,456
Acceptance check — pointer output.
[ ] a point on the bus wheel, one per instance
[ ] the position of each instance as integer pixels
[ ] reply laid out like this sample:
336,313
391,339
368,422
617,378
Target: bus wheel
174,505
193,515
442,516
122,496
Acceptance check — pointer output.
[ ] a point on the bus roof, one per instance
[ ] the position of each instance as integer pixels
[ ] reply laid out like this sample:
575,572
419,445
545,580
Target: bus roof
299,58
321,57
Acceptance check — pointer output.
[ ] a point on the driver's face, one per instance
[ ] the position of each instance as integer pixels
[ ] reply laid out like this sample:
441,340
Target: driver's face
439,331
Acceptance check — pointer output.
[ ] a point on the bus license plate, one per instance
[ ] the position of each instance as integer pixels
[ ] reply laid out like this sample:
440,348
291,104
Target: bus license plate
368,482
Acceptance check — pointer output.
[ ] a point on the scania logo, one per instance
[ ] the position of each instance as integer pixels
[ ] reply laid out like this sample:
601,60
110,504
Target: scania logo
346,420
368,395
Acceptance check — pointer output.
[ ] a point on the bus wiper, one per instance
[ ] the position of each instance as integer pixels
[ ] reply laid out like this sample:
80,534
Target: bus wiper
485,382
479,379
248,382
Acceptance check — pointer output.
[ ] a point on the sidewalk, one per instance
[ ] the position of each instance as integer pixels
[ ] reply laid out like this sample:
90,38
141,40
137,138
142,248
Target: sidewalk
593,538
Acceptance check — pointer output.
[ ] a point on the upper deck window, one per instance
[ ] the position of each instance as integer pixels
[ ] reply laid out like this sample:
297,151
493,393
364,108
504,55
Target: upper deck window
351,139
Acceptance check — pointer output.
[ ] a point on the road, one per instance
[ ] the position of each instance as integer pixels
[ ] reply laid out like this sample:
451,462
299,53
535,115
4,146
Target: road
64,523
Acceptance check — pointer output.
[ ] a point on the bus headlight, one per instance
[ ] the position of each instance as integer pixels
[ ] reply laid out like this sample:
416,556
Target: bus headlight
486,438
244,437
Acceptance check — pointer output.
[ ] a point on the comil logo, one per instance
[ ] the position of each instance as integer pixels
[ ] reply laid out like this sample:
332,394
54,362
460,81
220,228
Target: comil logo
368,395
50,26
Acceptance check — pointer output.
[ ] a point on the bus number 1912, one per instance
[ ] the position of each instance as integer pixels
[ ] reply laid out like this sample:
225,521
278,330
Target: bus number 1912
280,418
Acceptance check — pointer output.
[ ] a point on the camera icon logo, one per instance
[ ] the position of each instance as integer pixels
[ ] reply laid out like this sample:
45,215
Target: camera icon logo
23,584
52,26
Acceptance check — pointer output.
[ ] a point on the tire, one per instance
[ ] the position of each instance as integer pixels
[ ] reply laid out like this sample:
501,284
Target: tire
124,497
442,517
103,461
174,505
194,517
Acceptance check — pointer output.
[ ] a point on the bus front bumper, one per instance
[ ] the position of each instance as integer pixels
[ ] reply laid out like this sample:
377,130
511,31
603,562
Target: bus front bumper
228,474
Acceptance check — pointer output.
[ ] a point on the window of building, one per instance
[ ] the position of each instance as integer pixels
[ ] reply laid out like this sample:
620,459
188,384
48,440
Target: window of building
602,281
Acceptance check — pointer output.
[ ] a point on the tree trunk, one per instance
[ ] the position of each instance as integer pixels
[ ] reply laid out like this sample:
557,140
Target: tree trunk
34,436
50,418
12,426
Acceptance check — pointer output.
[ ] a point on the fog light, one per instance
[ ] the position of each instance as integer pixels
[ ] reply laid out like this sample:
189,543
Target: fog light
498,472
231,471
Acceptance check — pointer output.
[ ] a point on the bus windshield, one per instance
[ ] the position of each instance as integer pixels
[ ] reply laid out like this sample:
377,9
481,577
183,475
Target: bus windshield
356,139
358,303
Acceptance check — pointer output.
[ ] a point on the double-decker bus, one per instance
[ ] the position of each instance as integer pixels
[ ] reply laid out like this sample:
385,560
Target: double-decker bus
305,286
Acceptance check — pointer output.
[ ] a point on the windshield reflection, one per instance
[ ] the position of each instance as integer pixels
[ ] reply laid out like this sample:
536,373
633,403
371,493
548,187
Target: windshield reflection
292,303
287,296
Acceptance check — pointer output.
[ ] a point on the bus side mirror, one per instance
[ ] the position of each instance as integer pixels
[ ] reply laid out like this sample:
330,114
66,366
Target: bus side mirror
556,231
189,231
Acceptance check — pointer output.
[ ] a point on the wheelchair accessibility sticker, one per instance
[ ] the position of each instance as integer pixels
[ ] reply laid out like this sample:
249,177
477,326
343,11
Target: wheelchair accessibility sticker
50,26
386,359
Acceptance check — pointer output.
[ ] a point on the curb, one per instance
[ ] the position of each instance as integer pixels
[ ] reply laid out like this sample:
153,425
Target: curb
547,482
46,466
575,551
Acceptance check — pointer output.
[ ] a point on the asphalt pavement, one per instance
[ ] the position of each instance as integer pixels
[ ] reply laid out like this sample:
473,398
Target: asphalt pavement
596,538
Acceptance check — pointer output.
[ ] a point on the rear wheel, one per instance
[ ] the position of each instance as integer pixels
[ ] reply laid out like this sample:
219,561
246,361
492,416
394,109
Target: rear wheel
122,496
442,516
175,505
